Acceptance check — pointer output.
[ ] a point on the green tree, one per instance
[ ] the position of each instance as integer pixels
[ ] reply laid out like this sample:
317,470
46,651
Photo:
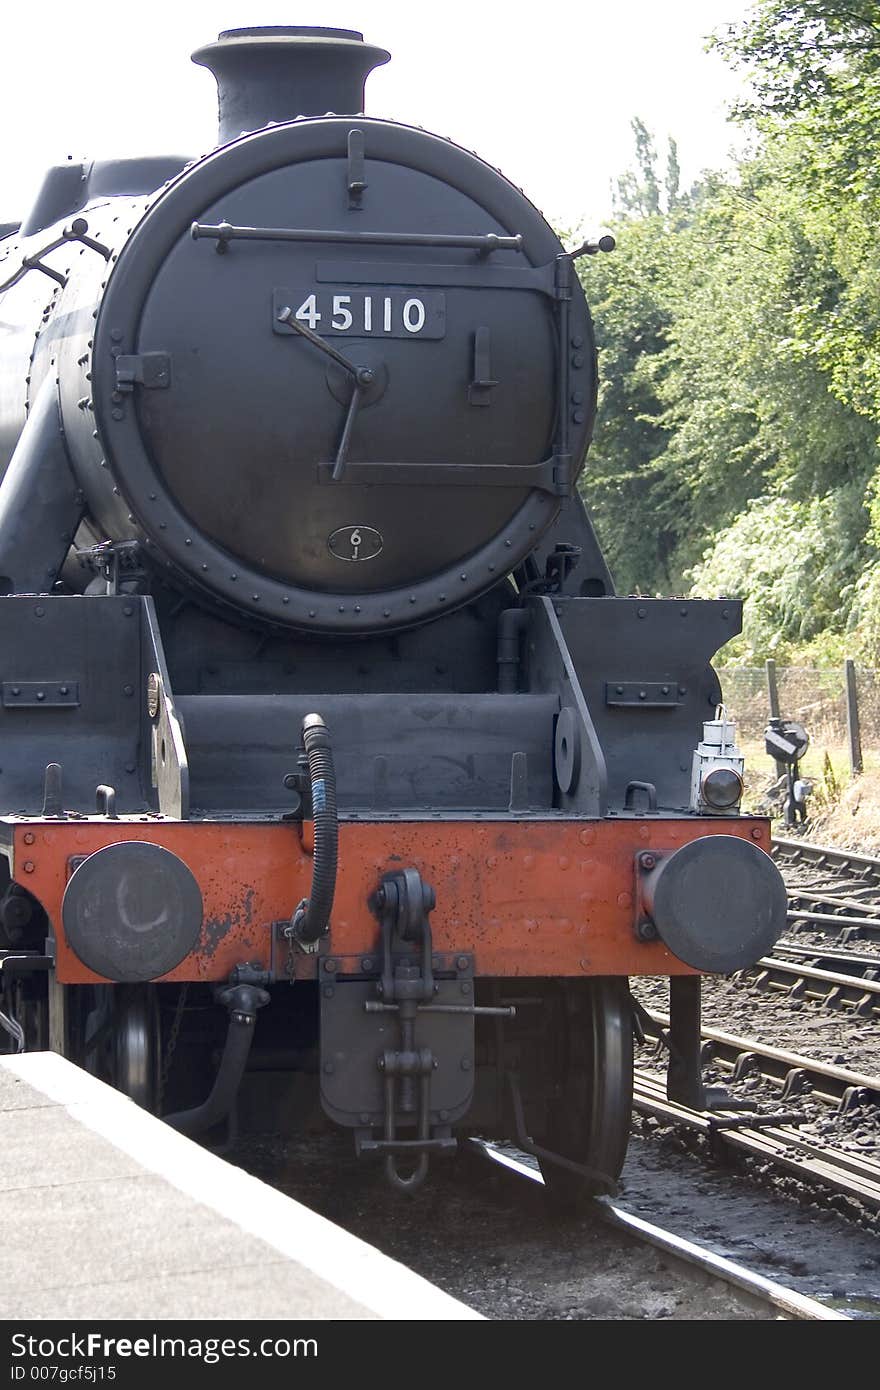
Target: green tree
626,495
638,191
814,67
736,393
804,56
672,184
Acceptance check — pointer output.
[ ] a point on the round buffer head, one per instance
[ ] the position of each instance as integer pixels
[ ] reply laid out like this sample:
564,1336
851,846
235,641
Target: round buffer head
132,911
718,903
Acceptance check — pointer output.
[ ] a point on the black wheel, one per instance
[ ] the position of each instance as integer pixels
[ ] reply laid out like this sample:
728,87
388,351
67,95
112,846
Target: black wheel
115,1035
131,1052
590,1054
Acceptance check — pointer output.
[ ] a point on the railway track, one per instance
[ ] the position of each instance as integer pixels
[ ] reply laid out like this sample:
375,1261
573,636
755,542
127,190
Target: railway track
830,890
787,1137
797,973
834,977
672,1245
738,1278
817,1121
846,925
863,866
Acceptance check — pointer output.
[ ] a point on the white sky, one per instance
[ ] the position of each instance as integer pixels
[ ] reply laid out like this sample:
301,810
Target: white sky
546,95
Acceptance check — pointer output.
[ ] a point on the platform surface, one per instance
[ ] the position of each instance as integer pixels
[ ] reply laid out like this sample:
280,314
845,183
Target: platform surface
107,1213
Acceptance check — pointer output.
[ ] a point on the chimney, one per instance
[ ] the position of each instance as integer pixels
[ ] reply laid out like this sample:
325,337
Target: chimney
277,74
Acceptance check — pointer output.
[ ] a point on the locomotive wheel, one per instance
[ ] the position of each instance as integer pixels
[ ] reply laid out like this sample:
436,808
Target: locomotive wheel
589,1116
136,1049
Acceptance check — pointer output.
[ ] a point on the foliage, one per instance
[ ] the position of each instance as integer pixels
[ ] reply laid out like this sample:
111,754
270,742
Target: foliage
621,485
865,617
815,74
783,552
830,785
804,56
739,333
638,191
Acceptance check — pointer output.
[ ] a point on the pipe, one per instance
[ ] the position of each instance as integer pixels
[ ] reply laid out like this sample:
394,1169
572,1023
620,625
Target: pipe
511,624
312,916
242,1002
40,503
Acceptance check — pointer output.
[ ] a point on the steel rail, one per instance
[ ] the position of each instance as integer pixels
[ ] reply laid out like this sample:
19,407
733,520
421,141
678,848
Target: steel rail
795,1305
852,887
829,987
811,903
847,916
826,855
861,964
831,1085
766,1291
779,1144
849,928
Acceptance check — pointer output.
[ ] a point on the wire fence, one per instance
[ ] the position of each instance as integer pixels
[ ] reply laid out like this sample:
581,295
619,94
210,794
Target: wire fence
839,707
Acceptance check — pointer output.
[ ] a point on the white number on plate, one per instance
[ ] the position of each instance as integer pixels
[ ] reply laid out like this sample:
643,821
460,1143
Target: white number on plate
355,313
413,315
308,312
342,317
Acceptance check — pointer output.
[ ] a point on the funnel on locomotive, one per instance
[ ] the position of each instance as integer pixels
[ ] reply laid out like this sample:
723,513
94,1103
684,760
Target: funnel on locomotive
271,74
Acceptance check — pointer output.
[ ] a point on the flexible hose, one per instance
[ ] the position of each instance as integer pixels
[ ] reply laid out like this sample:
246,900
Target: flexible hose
243,1001
311,918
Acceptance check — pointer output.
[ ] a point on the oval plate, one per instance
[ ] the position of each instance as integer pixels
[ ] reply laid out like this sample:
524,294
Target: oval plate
355,543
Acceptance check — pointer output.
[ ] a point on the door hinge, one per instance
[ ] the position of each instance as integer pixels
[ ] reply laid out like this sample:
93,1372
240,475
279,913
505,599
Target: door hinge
152,370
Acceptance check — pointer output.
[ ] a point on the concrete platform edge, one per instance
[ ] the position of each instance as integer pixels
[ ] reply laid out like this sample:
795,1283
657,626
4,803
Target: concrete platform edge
380,1284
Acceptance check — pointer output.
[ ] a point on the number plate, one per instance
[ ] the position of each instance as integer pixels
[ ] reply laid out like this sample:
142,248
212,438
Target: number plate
377,312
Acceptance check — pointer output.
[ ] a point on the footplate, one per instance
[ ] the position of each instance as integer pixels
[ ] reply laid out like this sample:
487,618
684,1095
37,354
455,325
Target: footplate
360,1034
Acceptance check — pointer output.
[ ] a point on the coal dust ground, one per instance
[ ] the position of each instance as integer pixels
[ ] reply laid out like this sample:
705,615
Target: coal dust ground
492,1241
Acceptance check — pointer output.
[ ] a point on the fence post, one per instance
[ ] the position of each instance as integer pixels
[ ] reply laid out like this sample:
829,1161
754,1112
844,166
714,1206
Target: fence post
773,701
853,732
772,688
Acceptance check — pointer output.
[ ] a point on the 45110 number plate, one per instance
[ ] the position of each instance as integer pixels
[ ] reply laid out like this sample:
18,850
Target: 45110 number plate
377,312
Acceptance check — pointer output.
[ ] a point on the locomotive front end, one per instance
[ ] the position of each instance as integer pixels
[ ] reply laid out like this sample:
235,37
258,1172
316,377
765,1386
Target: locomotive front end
328,686
342,372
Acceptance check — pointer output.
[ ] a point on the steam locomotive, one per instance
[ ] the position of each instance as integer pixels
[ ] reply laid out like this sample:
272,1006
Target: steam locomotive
328,755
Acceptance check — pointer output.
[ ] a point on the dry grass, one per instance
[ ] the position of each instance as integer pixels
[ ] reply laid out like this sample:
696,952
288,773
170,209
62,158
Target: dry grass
843,810
853,821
